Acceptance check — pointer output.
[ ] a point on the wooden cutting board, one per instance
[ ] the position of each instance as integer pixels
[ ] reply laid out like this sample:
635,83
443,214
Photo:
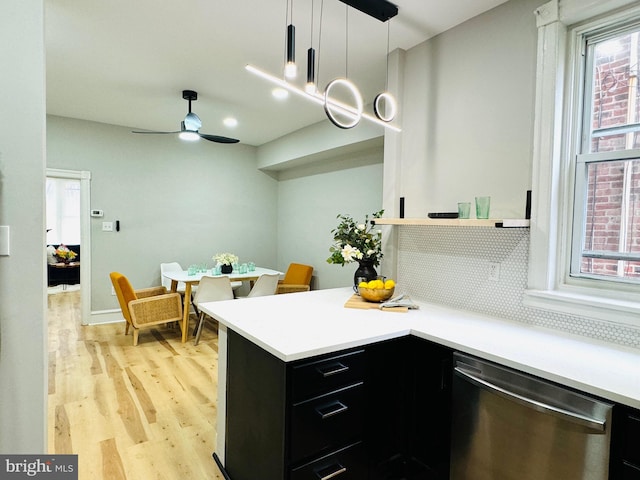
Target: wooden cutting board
356,301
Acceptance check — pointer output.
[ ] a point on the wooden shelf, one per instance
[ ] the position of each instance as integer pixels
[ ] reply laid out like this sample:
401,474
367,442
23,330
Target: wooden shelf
456,222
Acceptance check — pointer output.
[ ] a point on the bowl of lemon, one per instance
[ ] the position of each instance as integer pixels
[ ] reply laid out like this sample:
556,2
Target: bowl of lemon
376,290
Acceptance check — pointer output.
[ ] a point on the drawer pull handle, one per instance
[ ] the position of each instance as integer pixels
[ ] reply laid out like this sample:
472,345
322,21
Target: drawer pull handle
331,471
332,369
334,408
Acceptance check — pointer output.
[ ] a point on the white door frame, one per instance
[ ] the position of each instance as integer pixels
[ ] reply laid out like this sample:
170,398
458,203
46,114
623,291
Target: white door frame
85,236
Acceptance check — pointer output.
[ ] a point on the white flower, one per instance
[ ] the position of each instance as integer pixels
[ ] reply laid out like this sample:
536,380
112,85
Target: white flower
361,226
350,253
225,258
370,252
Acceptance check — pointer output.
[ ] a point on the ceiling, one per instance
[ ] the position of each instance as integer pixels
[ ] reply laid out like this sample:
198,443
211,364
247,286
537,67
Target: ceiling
126,62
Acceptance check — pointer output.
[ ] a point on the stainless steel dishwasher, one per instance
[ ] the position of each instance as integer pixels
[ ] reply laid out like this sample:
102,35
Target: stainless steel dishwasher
507,425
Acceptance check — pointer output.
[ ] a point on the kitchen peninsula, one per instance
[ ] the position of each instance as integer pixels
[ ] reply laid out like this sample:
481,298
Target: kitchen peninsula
279,339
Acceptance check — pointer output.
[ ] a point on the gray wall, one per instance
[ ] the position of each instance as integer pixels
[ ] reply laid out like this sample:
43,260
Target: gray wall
176,201
23,331
185,202
310,198
468,101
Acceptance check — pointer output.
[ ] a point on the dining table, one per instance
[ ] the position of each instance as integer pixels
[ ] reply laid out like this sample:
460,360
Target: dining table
194,278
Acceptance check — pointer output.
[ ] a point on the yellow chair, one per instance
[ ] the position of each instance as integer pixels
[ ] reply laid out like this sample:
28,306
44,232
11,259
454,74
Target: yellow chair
296,279
145,307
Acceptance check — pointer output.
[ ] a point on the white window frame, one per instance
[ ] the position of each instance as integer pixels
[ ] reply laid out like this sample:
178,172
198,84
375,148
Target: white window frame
558,117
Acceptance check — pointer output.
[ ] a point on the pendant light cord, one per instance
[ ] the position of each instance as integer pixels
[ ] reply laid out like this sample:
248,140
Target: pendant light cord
319,42
386,79
346,48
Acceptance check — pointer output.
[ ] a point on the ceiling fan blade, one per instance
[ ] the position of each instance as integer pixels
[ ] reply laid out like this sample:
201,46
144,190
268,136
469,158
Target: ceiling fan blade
146,131
218,138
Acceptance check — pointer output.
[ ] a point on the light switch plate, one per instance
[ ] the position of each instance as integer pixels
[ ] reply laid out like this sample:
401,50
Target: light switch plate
4,240
107,226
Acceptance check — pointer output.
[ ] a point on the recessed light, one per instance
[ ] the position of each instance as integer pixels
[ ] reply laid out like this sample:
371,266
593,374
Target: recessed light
230,122
280,93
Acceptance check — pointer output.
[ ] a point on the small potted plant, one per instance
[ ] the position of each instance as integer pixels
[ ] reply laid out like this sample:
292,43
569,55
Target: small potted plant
226,261
357,242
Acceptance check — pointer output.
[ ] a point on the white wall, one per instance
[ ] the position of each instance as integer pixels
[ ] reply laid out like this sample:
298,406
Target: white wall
23,345
310,198
176,201
468,98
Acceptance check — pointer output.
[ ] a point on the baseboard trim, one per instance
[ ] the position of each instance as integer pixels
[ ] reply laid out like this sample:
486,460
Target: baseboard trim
99,317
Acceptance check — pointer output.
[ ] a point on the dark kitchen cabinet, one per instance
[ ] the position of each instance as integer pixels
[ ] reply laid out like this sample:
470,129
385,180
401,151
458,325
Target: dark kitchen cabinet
299,420
625,448
380,412
410,381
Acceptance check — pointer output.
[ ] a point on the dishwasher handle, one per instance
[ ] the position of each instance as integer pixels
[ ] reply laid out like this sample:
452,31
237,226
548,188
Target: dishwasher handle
577,418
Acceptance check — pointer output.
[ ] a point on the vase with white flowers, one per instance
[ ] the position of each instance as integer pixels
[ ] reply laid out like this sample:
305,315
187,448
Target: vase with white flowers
357,242
226,261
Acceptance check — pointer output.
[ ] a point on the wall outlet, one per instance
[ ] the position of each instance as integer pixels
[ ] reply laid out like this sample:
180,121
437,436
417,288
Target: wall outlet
113,291
494,271
107,226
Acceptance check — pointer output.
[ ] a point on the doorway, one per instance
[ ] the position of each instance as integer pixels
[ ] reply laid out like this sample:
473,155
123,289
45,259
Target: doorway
84,179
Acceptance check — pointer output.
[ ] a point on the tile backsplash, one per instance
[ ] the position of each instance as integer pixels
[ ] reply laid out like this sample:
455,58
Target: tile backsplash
451,265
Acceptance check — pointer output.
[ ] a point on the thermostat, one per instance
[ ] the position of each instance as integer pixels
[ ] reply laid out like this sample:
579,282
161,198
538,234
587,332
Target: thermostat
97,213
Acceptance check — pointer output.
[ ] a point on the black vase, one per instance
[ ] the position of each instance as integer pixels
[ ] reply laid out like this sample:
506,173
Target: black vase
366,270
226,268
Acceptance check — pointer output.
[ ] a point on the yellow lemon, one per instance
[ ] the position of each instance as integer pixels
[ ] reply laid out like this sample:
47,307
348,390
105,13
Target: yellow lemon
372,284
363,284
379,284
389,284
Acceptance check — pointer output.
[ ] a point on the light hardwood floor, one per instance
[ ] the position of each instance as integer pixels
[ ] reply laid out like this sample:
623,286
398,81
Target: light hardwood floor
135,413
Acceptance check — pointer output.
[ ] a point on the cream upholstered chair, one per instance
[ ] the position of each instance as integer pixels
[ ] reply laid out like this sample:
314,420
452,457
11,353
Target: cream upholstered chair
296,279
145,307
266,284
212,289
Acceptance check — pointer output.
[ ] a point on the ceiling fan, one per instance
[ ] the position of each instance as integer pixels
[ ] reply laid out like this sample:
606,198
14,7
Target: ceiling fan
191,124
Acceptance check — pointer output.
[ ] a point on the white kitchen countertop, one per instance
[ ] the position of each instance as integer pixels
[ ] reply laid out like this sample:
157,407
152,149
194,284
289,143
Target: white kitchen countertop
301,325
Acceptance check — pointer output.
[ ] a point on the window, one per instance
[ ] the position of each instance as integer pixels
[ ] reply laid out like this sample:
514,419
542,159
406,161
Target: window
63,211
606,234
584,256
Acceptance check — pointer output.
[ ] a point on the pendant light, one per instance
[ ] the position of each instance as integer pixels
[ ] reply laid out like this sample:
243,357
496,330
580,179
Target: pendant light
341,98
290,67
310,86
384,105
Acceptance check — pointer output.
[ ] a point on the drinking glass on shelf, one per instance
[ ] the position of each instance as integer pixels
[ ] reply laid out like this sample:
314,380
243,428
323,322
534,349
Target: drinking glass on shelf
243,268
482,207
464,208
192,270
251,266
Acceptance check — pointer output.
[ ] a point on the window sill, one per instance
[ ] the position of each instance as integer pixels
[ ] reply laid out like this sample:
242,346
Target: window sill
584,305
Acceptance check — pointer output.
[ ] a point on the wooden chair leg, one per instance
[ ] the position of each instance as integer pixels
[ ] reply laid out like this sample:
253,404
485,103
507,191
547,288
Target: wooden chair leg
126,328
199,328
135,336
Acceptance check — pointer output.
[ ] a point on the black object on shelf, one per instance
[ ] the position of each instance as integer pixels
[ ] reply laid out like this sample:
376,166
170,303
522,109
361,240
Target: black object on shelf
527,211
401,207
442,214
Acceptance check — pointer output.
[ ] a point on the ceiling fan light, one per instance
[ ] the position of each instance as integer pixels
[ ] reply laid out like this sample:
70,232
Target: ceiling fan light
189,136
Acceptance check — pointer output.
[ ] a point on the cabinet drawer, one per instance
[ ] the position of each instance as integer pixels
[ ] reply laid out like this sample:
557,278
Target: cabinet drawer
327,421
631,449
345,464
321,376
